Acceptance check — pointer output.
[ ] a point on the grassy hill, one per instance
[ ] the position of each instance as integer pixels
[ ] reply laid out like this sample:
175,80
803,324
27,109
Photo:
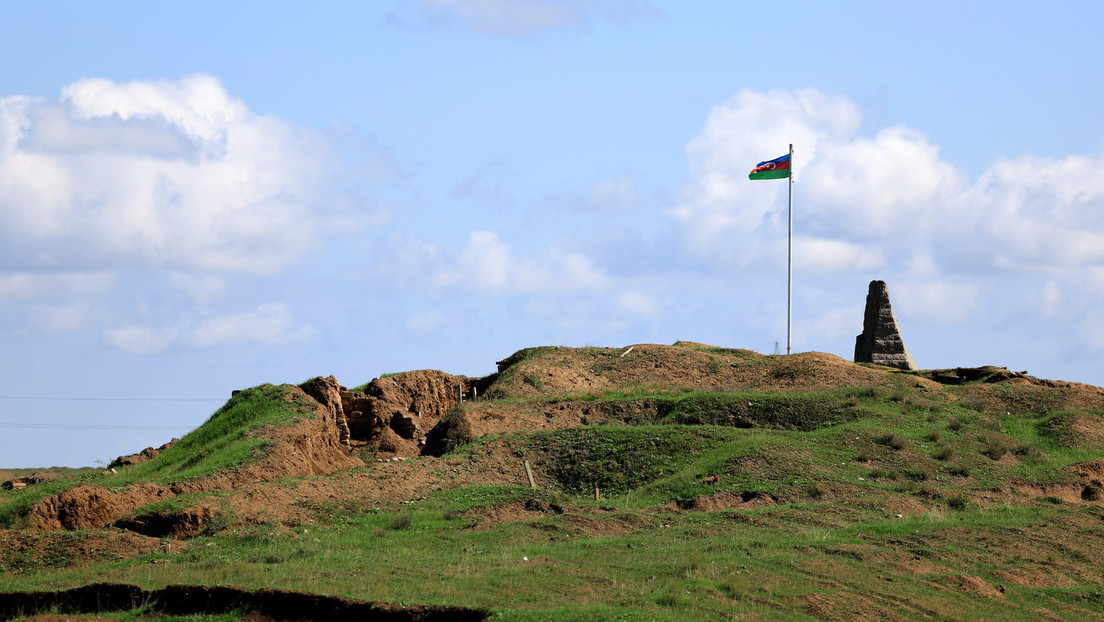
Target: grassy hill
671,483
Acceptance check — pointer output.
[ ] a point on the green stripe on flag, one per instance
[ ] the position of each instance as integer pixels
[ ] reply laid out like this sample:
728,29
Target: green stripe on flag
770,174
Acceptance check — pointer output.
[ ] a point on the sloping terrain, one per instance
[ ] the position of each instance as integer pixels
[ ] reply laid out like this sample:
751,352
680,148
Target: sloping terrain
669,482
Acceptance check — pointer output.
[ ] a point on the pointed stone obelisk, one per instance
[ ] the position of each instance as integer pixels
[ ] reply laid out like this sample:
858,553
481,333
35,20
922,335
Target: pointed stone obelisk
880,342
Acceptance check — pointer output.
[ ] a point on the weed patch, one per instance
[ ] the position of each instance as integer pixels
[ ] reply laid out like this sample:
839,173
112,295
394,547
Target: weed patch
747,410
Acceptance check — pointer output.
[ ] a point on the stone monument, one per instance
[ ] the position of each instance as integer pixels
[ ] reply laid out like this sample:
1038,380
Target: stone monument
880,342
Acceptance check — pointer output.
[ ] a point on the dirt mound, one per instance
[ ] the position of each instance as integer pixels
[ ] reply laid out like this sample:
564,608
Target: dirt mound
478,419
88,506
183,600
178,524
683,366
25,550
1023,396
974,585
311,446
145,455
394,413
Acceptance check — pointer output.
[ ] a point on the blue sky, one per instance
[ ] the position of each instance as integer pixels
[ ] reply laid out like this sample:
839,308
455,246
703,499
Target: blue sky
198,201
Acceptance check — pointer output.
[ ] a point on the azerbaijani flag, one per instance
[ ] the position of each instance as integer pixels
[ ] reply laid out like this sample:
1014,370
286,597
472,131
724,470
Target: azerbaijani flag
778,168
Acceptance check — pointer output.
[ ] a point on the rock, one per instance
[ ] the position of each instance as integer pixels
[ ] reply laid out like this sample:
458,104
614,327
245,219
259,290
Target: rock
145,455
880,342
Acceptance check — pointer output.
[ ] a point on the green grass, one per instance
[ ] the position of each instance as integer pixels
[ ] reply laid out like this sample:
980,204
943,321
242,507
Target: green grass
701,565
879,502
225,441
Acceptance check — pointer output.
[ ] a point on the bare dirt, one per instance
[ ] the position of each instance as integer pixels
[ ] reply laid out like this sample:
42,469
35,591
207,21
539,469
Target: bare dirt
382,447
387,420
26,550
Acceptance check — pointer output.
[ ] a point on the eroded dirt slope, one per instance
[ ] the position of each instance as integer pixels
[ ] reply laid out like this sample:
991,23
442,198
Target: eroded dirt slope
535,389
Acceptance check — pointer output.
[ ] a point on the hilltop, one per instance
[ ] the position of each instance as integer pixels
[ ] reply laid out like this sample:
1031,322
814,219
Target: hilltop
669,482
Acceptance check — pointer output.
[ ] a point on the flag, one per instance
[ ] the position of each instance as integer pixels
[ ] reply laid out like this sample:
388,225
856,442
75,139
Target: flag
778,168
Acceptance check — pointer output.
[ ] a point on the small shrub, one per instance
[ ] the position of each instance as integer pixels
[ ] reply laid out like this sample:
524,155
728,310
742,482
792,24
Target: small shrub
1030,453
1095,597
894,440
880,473
958,502
400,522
816,490
995,448
933,435
916,475
944,452
864,455
959,470
955,424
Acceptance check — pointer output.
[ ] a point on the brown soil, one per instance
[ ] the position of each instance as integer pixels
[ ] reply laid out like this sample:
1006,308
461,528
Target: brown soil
88,507
974,586
311,471
391,414
686,365
24,550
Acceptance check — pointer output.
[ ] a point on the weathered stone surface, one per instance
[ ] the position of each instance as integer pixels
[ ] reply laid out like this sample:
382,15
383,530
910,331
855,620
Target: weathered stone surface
880,342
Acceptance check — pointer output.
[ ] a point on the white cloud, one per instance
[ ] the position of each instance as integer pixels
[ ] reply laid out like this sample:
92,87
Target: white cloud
1021,243
141,339
270,323
819,256
519,17
870,188
161,174
722,215
883,202
488,263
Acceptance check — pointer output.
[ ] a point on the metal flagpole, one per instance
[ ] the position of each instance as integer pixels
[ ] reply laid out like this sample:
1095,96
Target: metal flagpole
789,259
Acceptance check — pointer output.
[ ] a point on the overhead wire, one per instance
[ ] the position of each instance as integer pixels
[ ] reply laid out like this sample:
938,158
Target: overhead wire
111,399
90,426
97,426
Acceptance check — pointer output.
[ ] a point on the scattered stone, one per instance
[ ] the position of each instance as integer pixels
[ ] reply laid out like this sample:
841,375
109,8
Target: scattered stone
880,342
145,455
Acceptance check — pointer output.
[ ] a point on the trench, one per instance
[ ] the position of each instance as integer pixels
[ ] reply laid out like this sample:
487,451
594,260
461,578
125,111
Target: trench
264,604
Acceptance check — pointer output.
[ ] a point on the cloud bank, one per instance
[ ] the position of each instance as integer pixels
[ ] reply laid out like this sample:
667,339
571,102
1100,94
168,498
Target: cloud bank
160,175
179,193
117,194
889,206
